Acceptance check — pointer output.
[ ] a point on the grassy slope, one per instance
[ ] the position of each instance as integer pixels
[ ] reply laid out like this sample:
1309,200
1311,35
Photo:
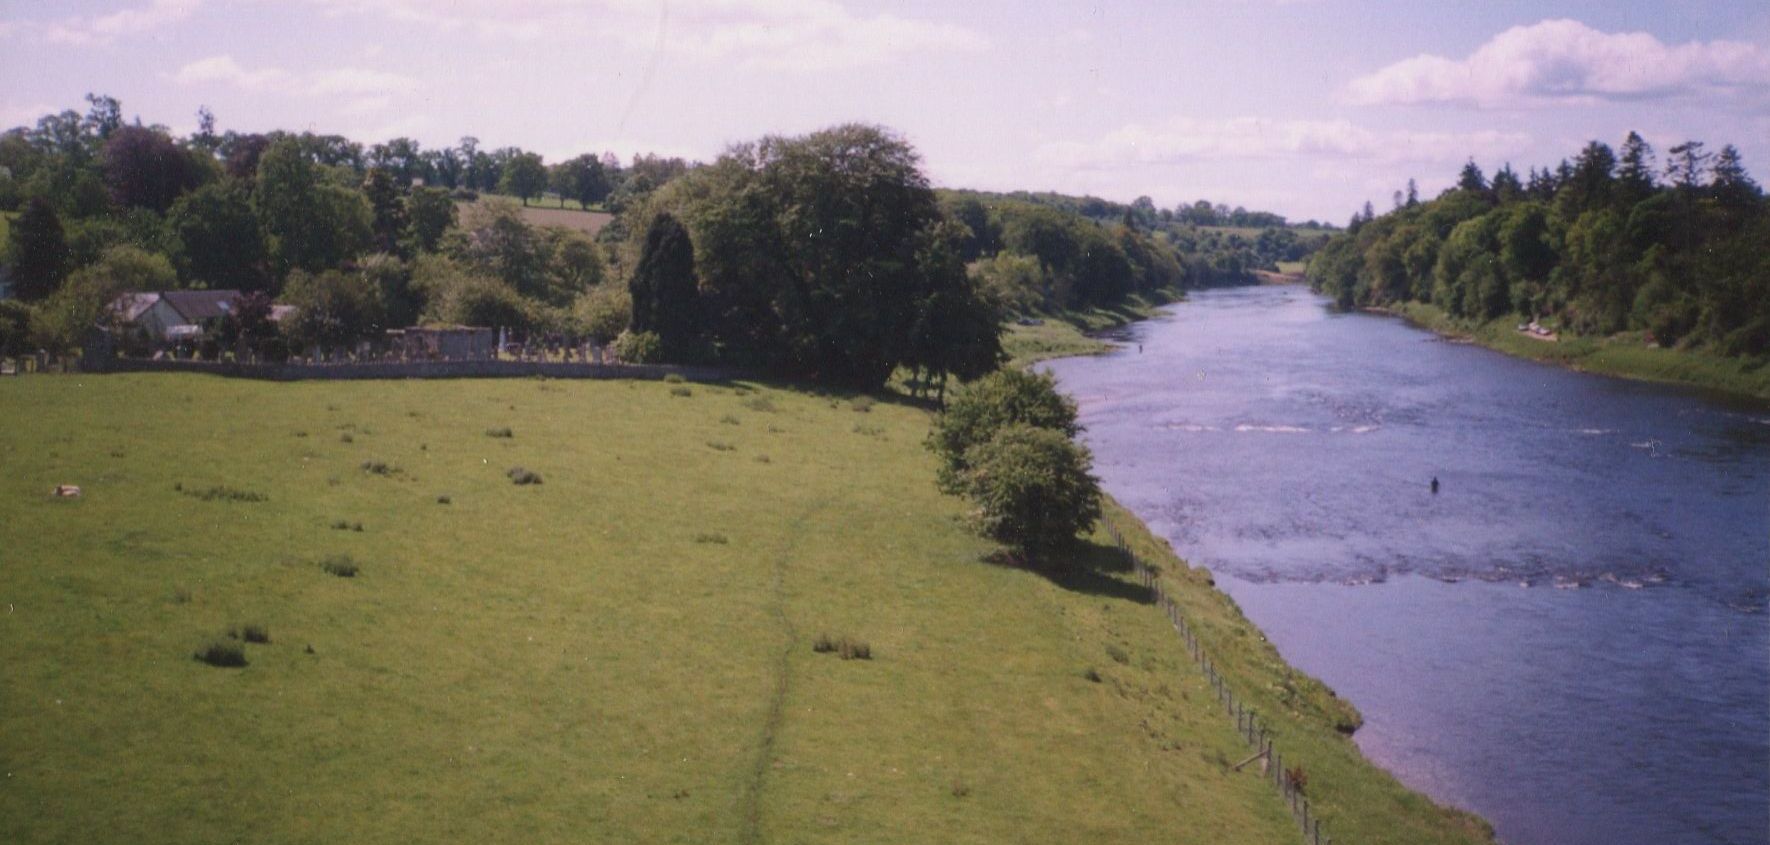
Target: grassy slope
561,662
1064,334
548,213
1623,356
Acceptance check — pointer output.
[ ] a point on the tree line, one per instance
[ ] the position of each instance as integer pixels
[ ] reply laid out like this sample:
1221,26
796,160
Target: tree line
1599,245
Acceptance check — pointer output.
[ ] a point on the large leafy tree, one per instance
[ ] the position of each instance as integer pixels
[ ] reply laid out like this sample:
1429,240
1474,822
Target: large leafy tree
217,240
144,168
524,176
312,225
981,409
39,251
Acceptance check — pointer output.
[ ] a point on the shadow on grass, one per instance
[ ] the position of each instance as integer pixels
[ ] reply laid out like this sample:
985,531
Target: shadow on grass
1090,568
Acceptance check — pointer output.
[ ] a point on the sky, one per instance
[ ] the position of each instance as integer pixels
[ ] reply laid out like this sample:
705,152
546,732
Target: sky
1304,107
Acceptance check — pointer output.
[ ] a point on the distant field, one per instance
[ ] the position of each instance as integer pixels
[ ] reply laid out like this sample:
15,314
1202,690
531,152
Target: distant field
1292,267
622,653
1252,232
588,222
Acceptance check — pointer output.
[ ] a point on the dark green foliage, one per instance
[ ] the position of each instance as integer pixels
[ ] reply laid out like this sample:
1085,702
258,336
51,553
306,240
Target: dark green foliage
143,168
429,214
1594,247
524,176
1031,489
991,404
312,225
39,251
223,654
15,328
217,239
665,300
332,309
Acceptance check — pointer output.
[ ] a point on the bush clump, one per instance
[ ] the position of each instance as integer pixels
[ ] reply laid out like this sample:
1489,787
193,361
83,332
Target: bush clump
504,432
340,565
842,647
522,477
222,653
990,404
638,347
251,632
1032,489
221,493
379,468
712,538
862,404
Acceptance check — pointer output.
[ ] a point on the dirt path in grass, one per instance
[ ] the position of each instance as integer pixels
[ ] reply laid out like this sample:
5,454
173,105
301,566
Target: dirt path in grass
771,723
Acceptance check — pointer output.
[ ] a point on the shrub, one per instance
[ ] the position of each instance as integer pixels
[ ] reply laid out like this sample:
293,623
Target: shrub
221,493
341,525
842,647
681,390
961,789
674,378
1296,778
379,468
715,539
719,446
868,430
762,459
522,477
638,347
990,404
222,653
728,420
346,438
340,565
1031,489
1092,675
1117,654
504,432
760,404
444,500
251,632
862,405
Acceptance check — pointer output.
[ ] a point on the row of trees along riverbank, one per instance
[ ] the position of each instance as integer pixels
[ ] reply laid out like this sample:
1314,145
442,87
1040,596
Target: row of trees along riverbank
1601,245
827,256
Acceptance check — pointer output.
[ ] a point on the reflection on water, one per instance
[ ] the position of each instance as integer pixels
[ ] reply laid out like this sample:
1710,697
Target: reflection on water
1579,609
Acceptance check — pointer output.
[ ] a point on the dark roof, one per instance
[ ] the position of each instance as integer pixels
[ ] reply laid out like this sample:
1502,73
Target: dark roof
197,305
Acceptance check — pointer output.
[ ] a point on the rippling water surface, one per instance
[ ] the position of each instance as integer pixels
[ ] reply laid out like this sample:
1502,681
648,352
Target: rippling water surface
1569,638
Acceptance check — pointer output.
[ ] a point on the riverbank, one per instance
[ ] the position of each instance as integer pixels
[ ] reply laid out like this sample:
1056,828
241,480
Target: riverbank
1067,334
1624,356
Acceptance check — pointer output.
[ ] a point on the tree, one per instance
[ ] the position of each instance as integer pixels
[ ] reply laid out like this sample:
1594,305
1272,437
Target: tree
495,239
430,213
15,329
524,176
312,226
1032,489
66,317
39,251
1731,184
332,309
104,117
146,169
205,138
1413,191
665,299
1634,176
1687,165
216,238
388,209
984,407
1506,187
1471,179
583,179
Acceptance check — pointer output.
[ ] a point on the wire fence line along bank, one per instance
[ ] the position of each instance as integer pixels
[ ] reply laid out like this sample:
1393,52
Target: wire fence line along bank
1253,731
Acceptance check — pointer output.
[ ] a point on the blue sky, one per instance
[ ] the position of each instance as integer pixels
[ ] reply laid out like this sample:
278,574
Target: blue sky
1306,107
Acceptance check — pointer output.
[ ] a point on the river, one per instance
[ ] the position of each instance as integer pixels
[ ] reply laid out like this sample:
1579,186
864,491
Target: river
1569,637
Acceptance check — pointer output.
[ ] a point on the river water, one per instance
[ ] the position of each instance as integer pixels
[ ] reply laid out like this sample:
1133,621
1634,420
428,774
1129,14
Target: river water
1569,638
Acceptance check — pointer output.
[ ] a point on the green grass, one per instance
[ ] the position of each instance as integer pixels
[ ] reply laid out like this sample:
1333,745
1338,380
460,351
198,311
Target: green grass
6,228
1064,334
1624,355
1253,232
1292,267
577,660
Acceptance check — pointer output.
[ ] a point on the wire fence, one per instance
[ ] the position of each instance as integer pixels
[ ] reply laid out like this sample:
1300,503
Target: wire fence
1290,782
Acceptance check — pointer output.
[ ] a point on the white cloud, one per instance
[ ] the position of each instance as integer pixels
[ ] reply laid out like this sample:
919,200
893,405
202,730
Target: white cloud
99,30
1565,61
367,87
789,35
1188,139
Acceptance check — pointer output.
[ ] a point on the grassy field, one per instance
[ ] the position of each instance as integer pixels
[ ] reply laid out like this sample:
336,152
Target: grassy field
1625,355
1253,232
622,653
588,222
